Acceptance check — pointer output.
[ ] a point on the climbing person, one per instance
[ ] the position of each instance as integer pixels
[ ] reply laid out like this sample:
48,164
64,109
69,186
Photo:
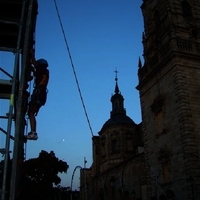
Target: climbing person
39,94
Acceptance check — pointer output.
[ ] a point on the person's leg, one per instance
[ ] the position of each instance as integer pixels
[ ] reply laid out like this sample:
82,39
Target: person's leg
32,135
32,121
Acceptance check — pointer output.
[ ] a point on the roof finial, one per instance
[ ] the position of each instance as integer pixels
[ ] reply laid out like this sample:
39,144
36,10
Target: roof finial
116,79
116,86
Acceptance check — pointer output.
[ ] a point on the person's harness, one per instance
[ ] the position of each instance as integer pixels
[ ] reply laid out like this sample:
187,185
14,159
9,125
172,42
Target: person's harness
39,95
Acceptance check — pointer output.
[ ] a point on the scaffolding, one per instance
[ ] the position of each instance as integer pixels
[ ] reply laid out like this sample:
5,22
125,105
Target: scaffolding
17,36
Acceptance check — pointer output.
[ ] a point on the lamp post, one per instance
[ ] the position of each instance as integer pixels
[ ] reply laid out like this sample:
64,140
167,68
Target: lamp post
112,185
85,178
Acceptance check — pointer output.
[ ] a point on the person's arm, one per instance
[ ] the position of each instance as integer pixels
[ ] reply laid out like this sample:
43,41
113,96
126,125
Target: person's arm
44,80
33,60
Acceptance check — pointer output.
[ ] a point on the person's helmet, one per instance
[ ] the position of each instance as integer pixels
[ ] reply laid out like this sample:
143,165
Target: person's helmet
42,62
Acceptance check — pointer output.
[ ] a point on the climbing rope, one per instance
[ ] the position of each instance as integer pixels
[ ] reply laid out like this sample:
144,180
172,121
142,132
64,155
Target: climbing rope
27,119
70,57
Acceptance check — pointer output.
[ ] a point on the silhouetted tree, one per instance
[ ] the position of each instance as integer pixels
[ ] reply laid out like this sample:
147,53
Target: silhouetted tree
39,175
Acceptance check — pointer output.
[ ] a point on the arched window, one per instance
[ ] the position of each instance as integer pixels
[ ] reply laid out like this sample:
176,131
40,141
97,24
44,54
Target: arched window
115,146
187,11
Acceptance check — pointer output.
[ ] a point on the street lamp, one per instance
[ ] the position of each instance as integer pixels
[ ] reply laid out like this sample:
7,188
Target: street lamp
112,185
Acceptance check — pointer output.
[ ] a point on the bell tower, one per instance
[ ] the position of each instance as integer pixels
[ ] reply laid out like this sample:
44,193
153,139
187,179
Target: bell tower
169,88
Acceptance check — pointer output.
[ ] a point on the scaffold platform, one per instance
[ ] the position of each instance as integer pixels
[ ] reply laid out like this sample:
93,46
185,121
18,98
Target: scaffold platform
10,21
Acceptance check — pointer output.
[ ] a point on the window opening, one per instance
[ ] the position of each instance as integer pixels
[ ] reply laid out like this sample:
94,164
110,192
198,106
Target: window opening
115,146
187,11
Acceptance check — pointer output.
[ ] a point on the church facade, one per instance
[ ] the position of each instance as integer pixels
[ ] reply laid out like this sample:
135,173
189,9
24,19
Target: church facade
160,157
118,157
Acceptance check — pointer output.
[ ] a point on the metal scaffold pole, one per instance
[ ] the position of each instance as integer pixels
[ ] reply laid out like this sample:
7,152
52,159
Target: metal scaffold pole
17,36
19,129
11,107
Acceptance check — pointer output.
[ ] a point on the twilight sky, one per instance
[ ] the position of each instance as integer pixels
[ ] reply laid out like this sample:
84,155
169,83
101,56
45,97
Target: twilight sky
103,35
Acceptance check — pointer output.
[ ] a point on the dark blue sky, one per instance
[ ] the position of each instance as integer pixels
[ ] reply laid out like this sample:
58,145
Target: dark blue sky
103,35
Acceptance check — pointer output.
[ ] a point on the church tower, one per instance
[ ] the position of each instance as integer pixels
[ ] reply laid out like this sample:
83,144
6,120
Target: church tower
118,161
169,88
118,141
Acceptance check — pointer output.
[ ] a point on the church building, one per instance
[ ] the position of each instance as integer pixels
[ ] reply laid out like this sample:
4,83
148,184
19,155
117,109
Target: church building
160,157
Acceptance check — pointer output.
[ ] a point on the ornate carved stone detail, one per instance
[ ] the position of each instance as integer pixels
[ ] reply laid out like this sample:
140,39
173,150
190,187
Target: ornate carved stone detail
163,155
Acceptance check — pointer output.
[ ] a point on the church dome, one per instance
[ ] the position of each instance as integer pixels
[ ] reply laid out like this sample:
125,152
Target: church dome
118,119
118,113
